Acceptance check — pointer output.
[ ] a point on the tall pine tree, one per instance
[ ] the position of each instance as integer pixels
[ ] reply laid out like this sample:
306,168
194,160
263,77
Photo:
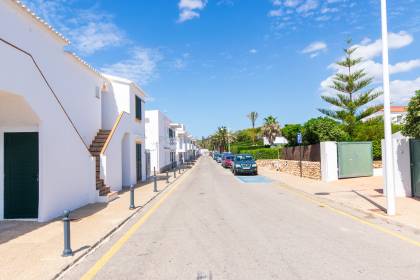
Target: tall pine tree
352,93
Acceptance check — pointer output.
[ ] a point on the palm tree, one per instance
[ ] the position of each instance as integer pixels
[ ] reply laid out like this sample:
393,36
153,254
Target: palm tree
222,138
271,129
253,116
350,100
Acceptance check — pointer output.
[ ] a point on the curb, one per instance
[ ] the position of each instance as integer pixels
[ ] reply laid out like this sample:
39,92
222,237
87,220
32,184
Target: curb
334,203
120,225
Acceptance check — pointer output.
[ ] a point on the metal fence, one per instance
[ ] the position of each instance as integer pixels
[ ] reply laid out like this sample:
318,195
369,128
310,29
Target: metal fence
309,153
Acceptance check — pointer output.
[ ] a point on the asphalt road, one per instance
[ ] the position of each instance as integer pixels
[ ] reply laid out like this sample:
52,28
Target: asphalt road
213,226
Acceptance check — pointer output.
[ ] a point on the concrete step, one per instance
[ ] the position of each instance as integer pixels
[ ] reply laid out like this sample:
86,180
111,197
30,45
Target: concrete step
108,197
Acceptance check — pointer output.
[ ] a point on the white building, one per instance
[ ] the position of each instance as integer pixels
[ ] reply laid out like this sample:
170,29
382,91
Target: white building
160,142
280,140
398,114
68,134
184,144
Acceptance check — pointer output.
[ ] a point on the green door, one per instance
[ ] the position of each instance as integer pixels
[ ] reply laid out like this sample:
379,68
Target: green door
415,166
21,175
138,162
354,159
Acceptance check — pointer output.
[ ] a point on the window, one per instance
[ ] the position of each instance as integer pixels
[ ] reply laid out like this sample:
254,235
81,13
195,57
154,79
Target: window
138,108
171,133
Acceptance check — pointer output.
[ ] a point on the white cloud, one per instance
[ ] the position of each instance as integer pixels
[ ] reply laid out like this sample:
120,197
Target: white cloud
253,51
89,30
275,13
188,9
309,5
401,91
292,3
315,48
371,50
95,36
141,67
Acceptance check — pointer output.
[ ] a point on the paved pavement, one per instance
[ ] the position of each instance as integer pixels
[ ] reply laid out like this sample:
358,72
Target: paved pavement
32,250
212,226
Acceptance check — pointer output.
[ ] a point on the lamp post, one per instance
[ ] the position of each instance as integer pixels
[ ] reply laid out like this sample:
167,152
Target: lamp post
389,162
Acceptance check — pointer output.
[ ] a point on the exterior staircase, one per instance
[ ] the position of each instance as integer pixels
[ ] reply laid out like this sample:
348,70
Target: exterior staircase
95,149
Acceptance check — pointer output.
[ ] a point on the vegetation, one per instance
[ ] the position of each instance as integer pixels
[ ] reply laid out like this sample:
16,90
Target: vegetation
322,129
290,132
271,129
253,116
412,122
373,130
220,140
264,153
351,96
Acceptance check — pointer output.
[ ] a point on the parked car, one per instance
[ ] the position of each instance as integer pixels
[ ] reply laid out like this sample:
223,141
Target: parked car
244,164
219,158
215,155
227,161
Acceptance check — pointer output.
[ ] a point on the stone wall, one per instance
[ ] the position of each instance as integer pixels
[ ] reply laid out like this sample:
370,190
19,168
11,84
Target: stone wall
377,164
310,169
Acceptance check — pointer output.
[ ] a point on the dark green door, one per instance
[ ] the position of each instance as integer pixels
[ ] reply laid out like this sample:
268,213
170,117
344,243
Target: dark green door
415,166
21,175
138,162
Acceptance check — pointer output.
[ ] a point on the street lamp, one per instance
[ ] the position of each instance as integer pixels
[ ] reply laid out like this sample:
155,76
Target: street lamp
389,162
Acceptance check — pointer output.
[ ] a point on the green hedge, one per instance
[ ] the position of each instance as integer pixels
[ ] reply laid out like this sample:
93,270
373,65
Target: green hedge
376,150
263,153
239,149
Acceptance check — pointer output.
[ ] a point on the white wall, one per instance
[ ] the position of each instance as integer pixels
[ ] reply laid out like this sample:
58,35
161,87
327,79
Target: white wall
329,166
74,84
62,153
401,165
118,163
157,139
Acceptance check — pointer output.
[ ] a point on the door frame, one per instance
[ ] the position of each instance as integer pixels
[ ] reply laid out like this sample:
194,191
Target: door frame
411,145
137,162
10,130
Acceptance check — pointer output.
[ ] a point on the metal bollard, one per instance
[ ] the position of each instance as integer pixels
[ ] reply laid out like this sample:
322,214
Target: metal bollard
174,173
67,252
154,180
167,176
132,206
179,170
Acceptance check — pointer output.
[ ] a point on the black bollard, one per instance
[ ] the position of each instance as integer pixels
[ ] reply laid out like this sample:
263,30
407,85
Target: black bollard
174,173
179,169
67,252
167,176
154,180
132,206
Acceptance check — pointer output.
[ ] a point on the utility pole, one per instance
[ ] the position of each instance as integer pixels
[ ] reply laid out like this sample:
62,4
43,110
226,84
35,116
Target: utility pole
389,162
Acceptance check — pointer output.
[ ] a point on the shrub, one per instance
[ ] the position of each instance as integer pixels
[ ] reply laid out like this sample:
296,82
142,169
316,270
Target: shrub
412,121
264,153
320,129
290,132
377,150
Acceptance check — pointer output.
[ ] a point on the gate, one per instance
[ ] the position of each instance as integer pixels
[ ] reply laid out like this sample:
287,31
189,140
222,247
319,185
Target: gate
354,159
415,166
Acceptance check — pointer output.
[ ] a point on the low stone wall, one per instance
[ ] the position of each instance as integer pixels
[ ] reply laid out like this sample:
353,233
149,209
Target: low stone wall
377,164
310,169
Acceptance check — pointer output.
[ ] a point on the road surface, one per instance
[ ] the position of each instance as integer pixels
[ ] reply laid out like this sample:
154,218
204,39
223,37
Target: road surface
214,226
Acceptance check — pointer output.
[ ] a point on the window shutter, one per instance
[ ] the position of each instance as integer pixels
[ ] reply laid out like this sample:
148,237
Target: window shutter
138,108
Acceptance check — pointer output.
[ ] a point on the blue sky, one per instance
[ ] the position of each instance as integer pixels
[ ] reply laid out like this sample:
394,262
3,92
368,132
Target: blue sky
208,63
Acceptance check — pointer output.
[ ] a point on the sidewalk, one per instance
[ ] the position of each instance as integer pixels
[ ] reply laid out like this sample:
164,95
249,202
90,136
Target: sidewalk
32,250
363,194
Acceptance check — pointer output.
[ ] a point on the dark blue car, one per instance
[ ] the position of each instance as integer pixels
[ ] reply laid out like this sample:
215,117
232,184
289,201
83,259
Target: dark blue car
244,164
